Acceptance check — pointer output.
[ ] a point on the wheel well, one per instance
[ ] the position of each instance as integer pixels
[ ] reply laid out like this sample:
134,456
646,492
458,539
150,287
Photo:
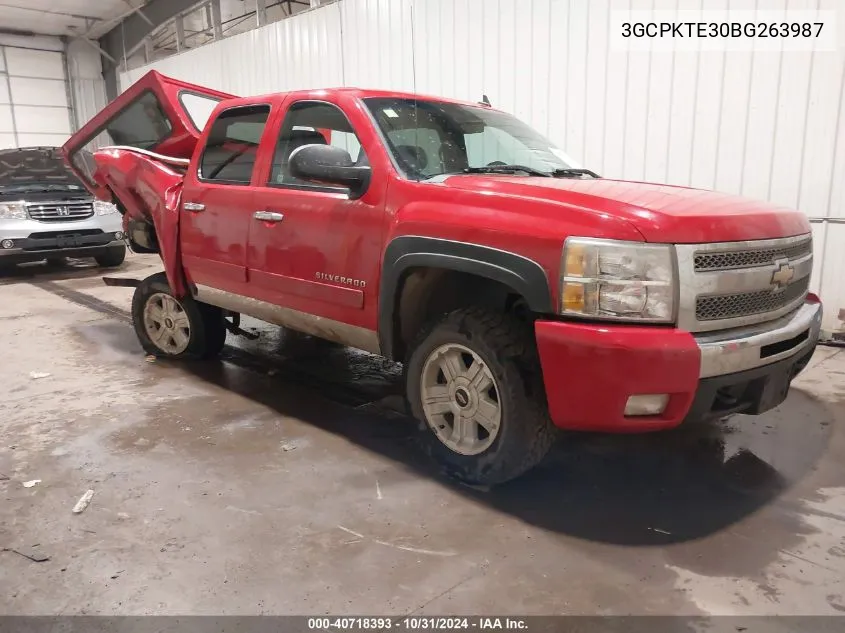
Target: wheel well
426,293
141,234
142,237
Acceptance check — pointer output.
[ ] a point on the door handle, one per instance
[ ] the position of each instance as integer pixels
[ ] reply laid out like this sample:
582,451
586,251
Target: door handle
193,206
268,216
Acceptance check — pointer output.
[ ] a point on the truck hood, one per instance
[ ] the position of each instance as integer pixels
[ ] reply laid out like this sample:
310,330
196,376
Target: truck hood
661,213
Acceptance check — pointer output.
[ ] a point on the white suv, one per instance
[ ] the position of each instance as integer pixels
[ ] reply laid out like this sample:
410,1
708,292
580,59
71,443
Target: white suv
46,213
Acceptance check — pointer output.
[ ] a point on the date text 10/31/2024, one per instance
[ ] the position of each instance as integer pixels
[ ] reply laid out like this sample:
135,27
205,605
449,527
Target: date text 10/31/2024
416,623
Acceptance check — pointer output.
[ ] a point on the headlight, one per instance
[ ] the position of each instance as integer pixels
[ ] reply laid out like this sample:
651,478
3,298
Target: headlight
104,208
606,279
12,211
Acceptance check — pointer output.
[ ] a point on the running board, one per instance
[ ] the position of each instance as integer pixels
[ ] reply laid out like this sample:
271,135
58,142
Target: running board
124,282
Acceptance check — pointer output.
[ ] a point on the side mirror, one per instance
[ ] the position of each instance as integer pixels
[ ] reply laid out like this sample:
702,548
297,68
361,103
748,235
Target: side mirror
329,165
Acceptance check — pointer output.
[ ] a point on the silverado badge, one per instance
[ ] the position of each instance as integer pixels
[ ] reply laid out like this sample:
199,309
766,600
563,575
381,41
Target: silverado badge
340,279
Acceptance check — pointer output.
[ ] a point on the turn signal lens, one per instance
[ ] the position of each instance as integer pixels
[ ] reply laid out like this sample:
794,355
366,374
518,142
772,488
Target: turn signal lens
575,260
573,297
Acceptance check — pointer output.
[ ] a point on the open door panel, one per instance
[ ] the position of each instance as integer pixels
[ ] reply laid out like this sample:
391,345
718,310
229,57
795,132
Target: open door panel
156,113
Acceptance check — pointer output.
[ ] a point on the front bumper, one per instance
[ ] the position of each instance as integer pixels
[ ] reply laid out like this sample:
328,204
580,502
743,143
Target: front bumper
590,370
34,240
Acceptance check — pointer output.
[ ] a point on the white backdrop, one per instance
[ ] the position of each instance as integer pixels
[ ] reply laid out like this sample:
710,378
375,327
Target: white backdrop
769,125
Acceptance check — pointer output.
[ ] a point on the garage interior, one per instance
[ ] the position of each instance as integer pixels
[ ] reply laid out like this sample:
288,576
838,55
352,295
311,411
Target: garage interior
284,479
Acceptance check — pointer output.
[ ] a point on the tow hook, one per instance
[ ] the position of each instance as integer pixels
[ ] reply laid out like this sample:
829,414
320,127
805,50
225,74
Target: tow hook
234,326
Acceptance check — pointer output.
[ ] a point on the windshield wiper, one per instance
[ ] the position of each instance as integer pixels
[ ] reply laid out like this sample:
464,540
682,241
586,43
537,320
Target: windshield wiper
506,169
571,172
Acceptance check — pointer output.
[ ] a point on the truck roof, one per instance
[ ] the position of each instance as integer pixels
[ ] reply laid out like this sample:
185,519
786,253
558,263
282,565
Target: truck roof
360,93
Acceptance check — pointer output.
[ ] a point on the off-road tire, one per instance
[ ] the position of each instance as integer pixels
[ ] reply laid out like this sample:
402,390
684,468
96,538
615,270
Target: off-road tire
111,257
207,324
507,347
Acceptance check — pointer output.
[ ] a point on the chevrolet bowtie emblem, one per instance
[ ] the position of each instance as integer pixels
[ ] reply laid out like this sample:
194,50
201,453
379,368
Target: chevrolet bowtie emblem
782,275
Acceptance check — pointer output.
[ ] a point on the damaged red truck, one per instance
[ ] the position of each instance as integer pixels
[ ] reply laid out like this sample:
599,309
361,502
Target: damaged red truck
520,293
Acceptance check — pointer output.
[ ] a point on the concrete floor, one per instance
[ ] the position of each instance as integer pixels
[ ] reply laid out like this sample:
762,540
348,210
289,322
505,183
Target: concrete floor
270,483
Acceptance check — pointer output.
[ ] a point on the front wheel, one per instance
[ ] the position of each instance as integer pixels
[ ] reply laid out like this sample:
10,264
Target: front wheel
111,257
173,327
474,381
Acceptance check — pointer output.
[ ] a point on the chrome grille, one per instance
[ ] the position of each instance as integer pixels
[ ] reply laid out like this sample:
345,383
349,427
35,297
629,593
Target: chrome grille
727,285
60,211
727,260
731,306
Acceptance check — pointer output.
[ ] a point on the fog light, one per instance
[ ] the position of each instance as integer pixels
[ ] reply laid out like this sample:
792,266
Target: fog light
646,404
7,244
118,235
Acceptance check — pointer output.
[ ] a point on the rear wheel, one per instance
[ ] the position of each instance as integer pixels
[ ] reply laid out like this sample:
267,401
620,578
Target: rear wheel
111,257
174,327
473,380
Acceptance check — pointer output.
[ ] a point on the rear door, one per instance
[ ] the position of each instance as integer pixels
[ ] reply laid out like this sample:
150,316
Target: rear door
156,113
218,200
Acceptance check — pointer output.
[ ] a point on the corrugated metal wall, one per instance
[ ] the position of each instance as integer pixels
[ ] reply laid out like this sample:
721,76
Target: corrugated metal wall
768,125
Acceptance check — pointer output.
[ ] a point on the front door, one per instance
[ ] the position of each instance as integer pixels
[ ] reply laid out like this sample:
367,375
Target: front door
217,200
312,250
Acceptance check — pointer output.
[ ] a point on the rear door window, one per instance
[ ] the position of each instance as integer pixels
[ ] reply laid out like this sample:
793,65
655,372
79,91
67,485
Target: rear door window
142,124
156,113
232,146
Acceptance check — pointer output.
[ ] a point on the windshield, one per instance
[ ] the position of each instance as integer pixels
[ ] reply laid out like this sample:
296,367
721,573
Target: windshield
430,138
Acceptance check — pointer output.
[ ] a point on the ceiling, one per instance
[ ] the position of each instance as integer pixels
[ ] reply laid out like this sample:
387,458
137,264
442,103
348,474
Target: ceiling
87,18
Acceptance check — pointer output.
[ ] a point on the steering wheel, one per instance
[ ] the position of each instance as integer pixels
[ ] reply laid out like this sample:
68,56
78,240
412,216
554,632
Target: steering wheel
496,163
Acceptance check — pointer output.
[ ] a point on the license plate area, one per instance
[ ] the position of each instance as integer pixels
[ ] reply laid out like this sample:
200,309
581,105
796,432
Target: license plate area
68,241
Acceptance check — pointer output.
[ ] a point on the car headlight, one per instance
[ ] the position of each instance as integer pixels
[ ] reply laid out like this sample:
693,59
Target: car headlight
12,211
606,279
104,208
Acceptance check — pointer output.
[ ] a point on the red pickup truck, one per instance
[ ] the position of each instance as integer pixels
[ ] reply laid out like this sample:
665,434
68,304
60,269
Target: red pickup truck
520,292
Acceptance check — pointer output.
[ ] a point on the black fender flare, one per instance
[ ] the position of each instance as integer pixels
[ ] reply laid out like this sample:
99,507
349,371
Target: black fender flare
524,276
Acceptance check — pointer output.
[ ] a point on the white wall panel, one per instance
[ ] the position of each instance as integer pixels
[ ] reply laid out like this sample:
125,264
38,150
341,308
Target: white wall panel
7,141
45,92
33,42
34,105
32,139
377,43
42,120
7,123
766,124
29,62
